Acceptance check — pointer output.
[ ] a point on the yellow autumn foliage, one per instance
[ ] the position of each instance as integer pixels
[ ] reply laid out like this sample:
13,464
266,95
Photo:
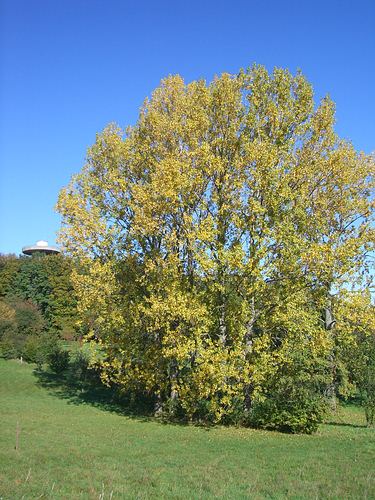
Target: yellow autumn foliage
210,235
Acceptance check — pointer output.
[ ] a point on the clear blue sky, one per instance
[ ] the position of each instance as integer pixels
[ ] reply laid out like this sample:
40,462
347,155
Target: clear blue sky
69,67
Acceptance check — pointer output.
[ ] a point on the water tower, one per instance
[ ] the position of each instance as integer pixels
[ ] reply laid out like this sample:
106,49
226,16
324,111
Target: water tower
40,246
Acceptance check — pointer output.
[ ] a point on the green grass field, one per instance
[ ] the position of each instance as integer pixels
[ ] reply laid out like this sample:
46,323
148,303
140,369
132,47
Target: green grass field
69,446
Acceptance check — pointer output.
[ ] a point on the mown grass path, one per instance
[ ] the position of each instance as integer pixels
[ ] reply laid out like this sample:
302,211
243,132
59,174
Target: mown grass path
69,448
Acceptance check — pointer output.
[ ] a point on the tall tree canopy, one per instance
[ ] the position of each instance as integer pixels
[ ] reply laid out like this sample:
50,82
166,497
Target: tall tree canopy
210,236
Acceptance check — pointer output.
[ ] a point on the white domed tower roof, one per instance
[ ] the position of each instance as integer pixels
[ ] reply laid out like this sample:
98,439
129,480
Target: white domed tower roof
40,246
42,243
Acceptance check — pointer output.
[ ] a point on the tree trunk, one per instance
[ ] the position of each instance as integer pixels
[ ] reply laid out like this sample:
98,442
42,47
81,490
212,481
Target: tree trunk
247,349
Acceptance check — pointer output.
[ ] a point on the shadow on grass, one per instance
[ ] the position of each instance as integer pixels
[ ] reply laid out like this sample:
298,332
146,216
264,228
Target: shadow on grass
343,424
93,394
104,398
354,402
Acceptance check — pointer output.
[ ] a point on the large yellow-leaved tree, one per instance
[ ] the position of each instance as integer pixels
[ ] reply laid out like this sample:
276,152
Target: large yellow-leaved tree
210,237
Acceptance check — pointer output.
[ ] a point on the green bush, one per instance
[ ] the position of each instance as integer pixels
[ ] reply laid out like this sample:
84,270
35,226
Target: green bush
295,414
31,350
58,360
8,349
292,400
11,345
369,406
22,332
21,324
368,393
81,372
38,348
8,331
28,318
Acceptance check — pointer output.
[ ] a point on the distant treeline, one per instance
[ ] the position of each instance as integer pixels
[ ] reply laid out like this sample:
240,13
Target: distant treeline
37,302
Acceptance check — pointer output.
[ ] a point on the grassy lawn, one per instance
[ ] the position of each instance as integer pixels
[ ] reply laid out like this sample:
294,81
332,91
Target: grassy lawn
72,447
